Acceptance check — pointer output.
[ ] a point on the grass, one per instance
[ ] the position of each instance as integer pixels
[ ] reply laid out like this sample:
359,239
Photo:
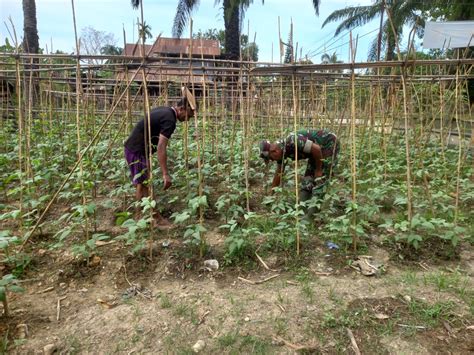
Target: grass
334,297
455,283
280,325
429,315
234,343
186,311
165,301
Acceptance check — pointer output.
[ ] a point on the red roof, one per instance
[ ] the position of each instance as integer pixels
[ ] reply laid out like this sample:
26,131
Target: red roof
177,47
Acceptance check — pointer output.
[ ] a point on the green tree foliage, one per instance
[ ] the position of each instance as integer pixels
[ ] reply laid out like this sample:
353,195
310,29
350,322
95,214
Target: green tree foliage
110,49
234,11
249,49
401,13
330,58
144,31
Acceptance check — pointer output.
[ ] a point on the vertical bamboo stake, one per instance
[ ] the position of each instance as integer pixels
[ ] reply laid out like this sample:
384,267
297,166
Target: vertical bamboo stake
78,123
456,117
199,142
295,129
20,130
353,147
128,109
245,133
405,115
28,168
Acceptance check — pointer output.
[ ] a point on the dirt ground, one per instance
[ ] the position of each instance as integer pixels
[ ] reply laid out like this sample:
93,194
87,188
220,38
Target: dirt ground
170,303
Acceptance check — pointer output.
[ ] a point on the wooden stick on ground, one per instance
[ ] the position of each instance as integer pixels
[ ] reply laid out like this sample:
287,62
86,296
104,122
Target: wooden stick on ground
411,326
263,262
259,281
201,319
353,342
46,290
297,347
58,308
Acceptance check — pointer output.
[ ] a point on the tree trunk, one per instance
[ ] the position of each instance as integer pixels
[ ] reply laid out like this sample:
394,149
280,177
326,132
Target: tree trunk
379,39
390,46
30,28
30,45
232,30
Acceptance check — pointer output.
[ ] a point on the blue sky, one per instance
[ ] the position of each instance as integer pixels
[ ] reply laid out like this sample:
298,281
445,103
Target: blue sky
55,23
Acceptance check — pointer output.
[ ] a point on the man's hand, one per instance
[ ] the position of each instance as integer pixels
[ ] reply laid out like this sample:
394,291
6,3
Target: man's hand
166,182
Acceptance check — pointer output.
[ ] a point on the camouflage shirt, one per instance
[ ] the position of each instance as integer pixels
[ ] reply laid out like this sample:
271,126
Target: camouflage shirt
304,139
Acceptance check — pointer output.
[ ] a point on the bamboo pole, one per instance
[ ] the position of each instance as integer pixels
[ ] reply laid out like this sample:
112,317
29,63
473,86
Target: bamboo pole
353,149
407,133
460,143
78,123
20,132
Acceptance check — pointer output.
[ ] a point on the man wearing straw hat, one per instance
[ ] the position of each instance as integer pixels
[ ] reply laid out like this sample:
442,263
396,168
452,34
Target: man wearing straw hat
162,124
320,147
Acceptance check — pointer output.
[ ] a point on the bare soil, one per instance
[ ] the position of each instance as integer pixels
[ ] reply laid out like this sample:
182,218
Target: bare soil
163,300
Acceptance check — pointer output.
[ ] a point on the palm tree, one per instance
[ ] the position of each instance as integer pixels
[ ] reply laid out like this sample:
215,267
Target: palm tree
144,31
232,19
234,11
401,12
330,58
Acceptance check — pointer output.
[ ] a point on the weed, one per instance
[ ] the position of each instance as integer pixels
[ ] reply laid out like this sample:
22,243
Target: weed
329,320
308,292
186,311
73,345
4,343
430,314
254,345
333,296
228,339
280,325
165,301
234,343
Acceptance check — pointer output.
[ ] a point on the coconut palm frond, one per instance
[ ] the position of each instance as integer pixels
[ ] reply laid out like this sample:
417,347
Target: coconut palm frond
359,19
372,54
325,58
183,13
135,3
349,12
316,4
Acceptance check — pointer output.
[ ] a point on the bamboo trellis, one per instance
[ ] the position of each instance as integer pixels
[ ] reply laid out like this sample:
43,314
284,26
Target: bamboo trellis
269,101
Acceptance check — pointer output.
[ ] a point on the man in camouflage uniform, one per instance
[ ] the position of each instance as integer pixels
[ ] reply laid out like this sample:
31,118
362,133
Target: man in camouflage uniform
320,147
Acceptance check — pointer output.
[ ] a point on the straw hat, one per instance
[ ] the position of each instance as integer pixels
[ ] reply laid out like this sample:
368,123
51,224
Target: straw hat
191,100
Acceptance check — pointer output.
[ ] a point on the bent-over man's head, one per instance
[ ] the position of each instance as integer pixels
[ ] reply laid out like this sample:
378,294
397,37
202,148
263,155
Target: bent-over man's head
270,151
184,109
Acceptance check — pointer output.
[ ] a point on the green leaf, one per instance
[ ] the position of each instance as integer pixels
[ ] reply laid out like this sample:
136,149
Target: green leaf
16,289
129,223
7,279
181,217
428,225
90,208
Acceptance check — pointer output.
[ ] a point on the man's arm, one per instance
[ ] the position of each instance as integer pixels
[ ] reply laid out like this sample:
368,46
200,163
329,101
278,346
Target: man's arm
317,155
277,178
162,159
